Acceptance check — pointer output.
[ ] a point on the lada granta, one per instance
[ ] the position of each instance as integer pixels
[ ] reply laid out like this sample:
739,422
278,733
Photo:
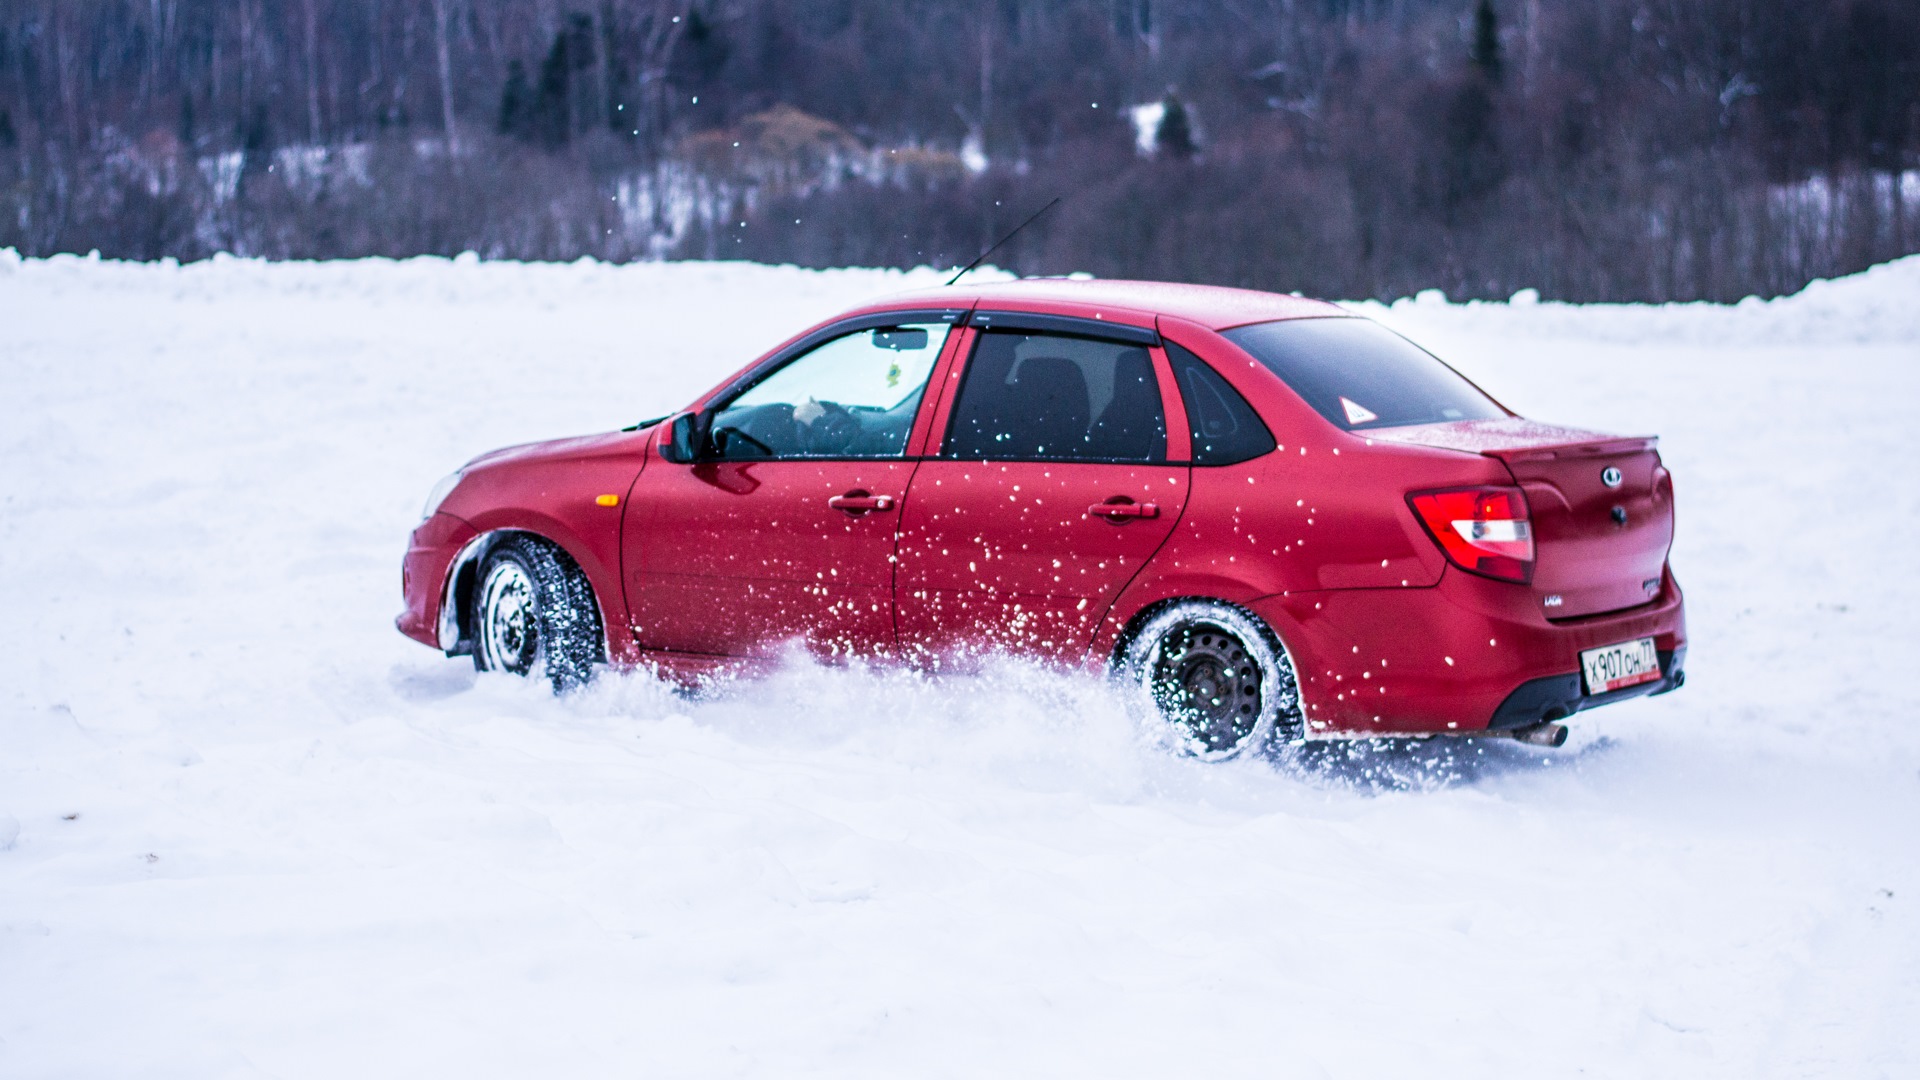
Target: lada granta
1278,520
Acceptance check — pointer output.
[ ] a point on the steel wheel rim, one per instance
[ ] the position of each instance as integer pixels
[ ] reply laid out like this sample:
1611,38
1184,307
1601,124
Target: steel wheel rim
1205,680
509,630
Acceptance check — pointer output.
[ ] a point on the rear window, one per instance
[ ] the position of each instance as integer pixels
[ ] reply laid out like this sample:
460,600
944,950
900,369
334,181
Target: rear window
1360,374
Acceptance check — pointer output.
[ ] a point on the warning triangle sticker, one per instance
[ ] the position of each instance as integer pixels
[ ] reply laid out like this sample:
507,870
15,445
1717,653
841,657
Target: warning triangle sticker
1356,412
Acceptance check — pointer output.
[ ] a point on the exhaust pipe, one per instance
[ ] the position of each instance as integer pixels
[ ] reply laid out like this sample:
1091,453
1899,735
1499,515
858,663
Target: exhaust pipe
1547,734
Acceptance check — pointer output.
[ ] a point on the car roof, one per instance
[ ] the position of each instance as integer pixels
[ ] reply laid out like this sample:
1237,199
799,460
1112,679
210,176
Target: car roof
1212,306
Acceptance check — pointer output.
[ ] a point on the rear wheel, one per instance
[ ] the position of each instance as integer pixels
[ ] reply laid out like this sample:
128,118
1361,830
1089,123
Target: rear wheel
534,613
1218,675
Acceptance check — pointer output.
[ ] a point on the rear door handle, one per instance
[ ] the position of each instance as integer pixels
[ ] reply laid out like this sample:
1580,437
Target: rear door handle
1118,512
859,501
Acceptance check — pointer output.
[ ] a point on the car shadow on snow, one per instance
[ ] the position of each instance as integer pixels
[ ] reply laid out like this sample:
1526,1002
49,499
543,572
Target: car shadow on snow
1379,766
431,680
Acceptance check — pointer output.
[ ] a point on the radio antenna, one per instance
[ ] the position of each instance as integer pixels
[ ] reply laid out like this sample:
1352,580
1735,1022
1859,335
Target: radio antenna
996,246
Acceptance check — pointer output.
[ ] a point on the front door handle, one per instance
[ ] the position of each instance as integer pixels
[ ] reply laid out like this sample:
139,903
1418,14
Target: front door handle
859,501
1119,512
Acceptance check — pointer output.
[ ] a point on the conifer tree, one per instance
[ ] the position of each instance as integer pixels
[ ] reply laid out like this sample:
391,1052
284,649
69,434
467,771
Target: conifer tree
550,121
1475,164
548,116
1174,137
515,101
1485,51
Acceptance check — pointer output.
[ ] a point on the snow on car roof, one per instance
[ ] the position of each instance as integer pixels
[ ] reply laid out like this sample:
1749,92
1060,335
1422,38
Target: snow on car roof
1213,306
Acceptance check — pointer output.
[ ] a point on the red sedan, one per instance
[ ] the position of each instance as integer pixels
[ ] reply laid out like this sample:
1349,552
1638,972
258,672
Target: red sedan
1279,520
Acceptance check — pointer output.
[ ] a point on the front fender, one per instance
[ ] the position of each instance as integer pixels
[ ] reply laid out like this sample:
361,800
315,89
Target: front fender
573,494
597,556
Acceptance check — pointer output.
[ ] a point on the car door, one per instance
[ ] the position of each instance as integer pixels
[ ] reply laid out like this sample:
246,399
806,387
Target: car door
785,531
1052,485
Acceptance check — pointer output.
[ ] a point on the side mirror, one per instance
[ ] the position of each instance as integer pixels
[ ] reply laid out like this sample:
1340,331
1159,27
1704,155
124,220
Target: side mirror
688,438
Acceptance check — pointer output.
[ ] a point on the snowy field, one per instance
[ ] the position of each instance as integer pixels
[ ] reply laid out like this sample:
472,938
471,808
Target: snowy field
246,829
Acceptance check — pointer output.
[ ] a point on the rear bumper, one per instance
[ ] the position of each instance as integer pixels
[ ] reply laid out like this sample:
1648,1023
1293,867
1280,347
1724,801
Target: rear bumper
1468,654
1556,697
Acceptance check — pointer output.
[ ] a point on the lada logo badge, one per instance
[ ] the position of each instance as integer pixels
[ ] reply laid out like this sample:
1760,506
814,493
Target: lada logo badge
1611,477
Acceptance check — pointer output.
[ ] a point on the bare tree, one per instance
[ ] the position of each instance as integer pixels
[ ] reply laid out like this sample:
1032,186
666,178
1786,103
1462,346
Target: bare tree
312,11
443,52
1646,149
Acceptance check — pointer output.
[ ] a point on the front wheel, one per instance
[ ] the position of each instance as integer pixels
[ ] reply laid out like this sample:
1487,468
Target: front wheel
1218,675
534,612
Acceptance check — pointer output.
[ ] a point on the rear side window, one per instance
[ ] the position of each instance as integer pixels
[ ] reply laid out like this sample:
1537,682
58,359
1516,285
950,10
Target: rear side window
1360,374
1054,397
1226,430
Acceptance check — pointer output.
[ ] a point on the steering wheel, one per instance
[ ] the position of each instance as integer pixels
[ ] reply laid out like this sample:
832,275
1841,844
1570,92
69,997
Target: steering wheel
834,431
725,435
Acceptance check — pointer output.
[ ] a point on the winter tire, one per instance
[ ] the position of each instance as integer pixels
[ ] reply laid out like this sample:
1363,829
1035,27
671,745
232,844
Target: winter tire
534,612
1217,675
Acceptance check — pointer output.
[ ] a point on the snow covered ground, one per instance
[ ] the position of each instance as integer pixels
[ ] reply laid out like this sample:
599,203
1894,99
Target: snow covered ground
246,829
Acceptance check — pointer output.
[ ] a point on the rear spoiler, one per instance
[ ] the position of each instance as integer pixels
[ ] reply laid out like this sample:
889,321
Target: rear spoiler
1603,447
1513,439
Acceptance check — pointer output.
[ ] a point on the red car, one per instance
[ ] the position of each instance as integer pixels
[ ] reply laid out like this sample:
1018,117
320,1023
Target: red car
1281,520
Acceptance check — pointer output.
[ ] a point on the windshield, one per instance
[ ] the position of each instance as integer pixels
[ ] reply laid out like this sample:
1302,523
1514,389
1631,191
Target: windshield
1360,374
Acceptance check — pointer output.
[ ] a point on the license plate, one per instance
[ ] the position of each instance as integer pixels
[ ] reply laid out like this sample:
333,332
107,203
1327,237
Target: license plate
1615,667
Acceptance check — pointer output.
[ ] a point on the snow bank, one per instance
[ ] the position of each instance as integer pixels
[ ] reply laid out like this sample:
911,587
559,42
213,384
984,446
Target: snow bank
1881,305
246,829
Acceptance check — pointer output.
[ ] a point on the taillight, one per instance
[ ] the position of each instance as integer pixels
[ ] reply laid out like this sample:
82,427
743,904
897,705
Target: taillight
1484,530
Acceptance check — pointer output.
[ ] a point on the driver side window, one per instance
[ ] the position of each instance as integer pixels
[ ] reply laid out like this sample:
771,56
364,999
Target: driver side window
852,397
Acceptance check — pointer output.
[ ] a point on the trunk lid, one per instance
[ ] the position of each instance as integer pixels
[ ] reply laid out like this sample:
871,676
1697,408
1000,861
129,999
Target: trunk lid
1601,507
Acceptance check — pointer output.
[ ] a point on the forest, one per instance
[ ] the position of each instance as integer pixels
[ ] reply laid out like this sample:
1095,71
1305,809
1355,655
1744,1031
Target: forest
1600,150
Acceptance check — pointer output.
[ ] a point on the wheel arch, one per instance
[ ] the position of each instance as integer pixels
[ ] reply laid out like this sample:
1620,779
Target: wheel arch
456,616
1287,720
1151,593
1129,632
